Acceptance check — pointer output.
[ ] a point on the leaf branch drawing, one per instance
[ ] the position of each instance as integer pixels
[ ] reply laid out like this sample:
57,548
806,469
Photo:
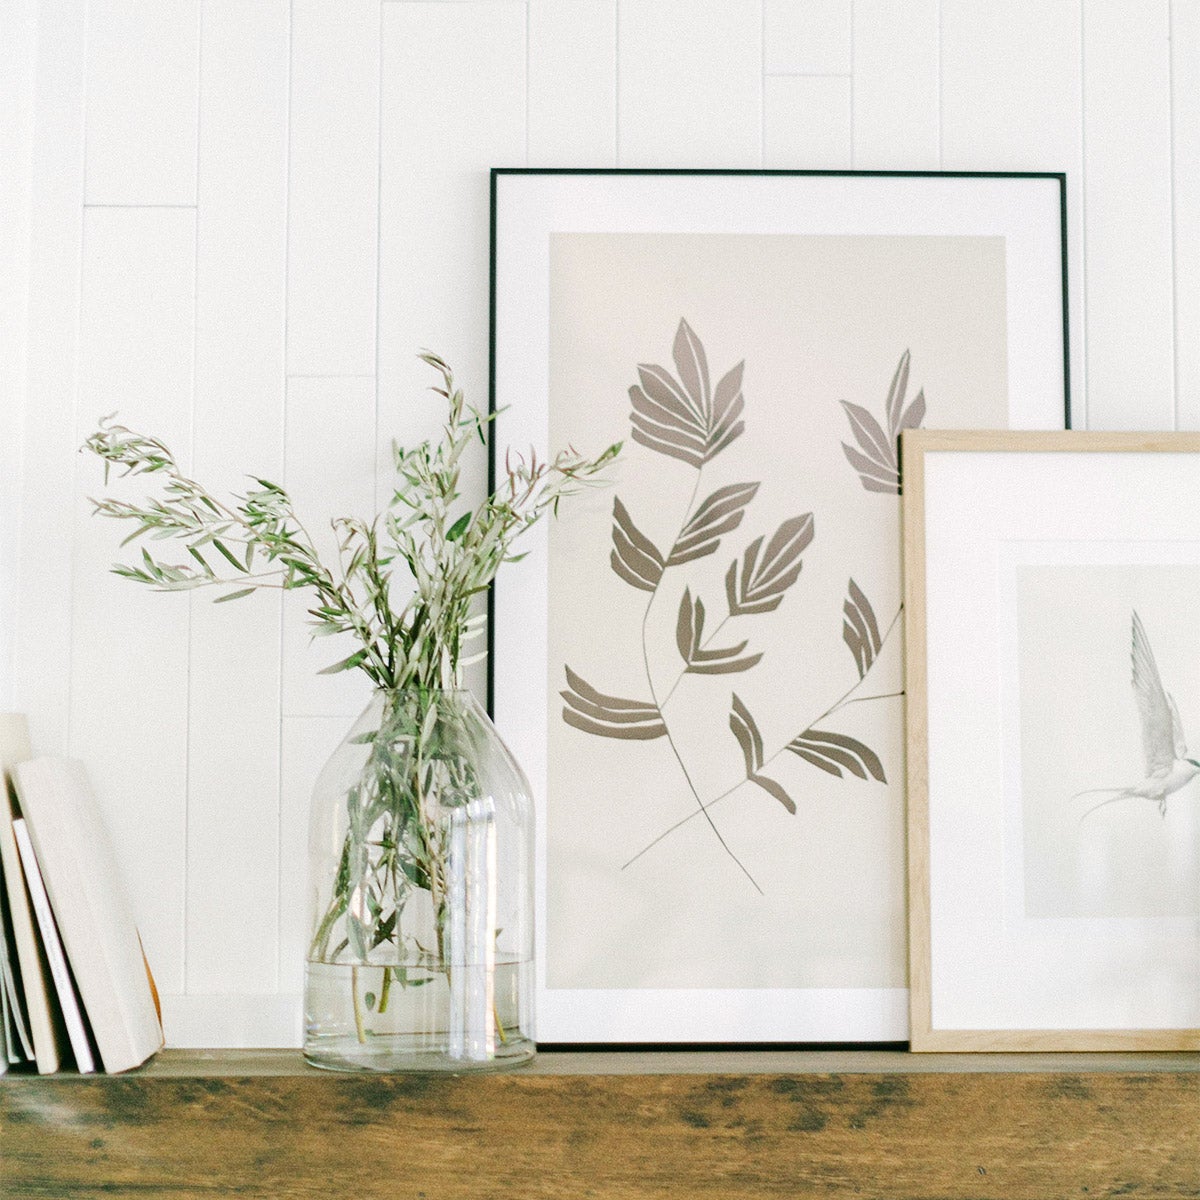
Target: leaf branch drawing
689,638
877,457
682,416
834,753
877,463
753,585
685,419
607,716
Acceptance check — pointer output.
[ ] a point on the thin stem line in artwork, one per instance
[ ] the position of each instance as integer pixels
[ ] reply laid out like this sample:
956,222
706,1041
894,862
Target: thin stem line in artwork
701,809
864,699
708,641
845,699
862,679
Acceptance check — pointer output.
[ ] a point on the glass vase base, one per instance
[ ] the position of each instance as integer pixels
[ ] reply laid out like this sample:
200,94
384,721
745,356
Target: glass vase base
416,1017
398,1054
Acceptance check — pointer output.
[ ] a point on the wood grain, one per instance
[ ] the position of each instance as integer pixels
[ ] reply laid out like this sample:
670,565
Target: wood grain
916,724
620,1136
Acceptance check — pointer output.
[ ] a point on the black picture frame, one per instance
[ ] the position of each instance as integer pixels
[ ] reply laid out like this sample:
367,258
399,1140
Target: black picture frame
1027,210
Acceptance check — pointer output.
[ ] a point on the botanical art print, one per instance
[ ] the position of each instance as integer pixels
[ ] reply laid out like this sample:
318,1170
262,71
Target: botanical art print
725,729
687,417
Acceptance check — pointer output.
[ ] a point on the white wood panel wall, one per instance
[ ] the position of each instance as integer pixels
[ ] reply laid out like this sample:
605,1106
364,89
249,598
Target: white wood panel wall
18,33
236,223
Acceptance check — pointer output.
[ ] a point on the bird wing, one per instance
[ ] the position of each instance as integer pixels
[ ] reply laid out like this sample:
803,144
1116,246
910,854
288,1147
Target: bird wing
1160,723
1177,729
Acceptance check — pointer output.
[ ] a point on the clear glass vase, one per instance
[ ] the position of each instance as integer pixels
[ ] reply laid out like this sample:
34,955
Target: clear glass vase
421,850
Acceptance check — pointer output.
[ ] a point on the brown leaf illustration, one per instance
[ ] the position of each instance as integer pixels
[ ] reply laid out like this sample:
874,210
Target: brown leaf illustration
685,624
634,557
728,406
877,468
833,751
914,414
746,731
729,391
757,584
692,365
689,637
895,397
609,716
774,789
860,630
720,513
877,457
868,432
682,417
663,419
664,391
730,666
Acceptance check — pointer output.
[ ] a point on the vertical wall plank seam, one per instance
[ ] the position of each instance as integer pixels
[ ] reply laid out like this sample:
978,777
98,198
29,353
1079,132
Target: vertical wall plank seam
283,406
75,398
378,247
762,83
199,66
283,458
526,83
941,107
853,150
192,600
87,27
1174,234
617,83
1079,404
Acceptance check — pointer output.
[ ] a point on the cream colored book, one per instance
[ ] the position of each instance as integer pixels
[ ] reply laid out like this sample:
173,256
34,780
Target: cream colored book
95,920
49,1037
16,1024
60,973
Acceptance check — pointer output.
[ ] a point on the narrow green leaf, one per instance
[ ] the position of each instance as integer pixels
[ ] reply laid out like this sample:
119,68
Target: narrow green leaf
346,664
224,551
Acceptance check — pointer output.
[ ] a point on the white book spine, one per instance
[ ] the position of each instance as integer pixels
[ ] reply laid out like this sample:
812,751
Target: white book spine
82,879
49,1038
20,1050
59,971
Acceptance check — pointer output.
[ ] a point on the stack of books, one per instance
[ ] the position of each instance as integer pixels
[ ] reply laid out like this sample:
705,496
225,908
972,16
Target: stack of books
75,988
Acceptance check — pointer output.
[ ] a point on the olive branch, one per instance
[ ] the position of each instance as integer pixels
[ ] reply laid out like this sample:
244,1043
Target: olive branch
401,585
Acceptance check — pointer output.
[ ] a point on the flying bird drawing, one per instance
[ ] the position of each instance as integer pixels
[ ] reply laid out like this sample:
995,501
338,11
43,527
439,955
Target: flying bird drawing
1167,766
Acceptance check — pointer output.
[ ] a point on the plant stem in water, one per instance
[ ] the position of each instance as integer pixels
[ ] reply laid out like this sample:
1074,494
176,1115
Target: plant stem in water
359,1028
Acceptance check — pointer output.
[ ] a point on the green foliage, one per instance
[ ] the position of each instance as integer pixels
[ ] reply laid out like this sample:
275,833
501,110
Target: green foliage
402,584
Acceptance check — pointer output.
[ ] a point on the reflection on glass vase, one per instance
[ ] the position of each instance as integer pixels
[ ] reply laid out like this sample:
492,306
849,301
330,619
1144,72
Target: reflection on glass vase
420,849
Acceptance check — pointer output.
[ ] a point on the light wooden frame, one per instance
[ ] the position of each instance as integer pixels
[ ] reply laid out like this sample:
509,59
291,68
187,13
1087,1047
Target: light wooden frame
917,445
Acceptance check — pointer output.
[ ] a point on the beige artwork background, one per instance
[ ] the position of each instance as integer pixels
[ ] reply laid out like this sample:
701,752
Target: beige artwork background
1080,730
816,320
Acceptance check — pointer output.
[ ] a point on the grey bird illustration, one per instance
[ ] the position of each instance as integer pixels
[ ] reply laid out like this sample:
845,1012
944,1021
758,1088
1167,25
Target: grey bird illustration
1167,766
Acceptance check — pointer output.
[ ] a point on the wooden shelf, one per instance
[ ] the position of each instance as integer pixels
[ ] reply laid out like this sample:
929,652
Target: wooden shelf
623,1126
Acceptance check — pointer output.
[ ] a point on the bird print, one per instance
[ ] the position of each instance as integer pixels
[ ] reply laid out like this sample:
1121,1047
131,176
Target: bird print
1167,766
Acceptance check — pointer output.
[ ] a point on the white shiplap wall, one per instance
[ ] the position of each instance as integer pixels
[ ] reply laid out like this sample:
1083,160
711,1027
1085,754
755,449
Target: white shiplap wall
236,223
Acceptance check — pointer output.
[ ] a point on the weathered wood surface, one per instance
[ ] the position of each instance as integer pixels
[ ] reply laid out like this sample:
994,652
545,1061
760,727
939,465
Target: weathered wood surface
896,1135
